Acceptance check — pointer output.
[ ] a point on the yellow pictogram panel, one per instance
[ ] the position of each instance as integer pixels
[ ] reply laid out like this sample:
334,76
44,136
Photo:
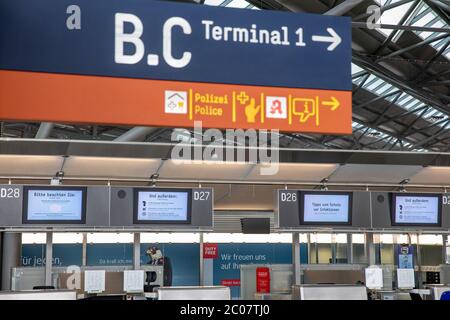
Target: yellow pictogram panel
252,110
309,108
233,116
250,105
262,111
306,108
243,97
191,106
334,103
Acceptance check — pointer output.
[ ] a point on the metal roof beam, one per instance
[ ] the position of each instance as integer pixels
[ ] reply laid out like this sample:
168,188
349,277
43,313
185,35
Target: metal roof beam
392,78
437,134
432,60
343,8
393,134
403,114
135,134
441,4
384,8
378,98
414,46
387,108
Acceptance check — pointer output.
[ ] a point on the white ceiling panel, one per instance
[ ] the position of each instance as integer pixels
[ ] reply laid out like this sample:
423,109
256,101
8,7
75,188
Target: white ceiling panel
294,172
29,166
204,170
432,175
119,168
373,173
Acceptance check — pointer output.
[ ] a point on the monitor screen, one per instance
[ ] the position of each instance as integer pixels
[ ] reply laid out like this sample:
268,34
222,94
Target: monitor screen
162,206
416,209
326,208
47,205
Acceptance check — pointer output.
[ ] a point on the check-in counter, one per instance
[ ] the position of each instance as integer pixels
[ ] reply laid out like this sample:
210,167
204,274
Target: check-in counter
25,278
194,293
281,279
39,295
329,292
332,273
273,296
444,270
385,295
436,290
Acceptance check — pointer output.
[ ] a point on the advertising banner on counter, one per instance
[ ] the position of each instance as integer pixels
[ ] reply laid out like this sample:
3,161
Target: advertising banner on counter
184,257
168,64
64,255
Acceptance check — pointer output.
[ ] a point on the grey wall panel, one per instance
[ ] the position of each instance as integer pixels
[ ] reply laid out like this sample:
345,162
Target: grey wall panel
202,210
121,206
11,197
97,207
361,210
11,203
380,210
289,211
12,244
122,210
371,210
446,212
105,207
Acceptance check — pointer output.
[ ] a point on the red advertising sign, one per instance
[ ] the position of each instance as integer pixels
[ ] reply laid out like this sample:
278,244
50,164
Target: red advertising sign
210,251
262,280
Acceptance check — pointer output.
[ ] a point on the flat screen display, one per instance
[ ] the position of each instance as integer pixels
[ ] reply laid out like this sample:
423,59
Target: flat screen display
323,208
416,209
162,206
47,205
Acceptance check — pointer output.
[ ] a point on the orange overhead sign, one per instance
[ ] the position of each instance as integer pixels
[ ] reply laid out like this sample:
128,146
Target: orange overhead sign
35,96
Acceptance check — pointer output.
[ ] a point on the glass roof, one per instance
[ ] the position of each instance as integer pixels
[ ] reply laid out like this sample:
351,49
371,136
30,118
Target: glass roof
380,87
426,17
231,4
421,15
394,15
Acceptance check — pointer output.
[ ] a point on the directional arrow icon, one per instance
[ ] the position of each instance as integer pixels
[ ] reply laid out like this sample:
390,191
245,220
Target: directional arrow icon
335,40
334,103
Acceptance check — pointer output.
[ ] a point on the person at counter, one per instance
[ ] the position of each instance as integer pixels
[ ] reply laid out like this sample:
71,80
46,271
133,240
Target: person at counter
156,256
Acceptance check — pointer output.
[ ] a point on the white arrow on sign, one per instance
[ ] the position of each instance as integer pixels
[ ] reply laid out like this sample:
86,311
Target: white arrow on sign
334,39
